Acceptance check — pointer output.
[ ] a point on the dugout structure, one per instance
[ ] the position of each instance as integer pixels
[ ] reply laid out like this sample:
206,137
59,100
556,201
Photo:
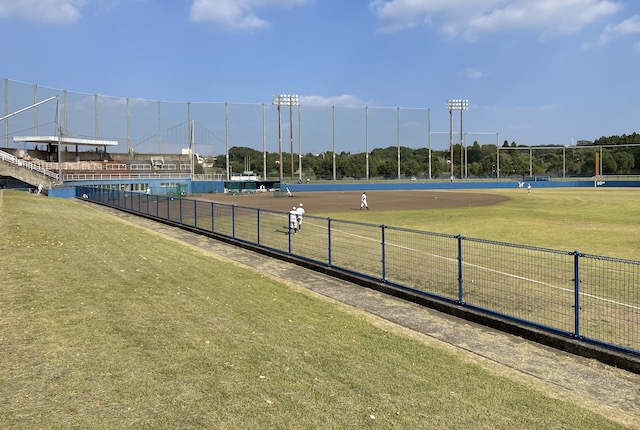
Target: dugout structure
251,186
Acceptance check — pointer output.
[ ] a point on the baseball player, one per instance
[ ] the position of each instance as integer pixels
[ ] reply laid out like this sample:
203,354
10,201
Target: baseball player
363,201
300,212
293,220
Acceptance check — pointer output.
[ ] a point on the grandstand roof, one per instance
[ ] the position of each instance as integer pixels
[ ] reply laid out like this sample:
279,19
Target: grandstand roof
65,140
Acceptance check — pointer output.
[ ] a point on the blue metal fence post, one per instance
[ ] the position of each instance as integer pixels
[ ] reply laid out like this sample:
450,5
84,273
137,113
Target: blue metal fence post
460,295
576,292
233,221
213,205
258,226
288,235
329,241
195,213
383,262
180,207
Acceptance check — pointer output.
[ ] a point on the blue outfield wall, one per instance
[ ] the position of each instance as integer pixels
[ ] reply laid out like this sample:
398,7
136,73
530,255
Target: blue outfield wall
207,187
391,186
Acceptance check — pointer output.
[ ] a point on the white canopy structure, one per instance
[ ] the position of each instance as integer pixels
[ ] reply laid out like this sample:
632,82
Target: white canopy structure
65,140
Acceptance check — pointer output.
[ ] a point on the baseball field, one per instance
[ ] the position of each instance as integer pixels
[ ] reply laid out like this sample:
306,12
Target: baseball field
107,324
590,220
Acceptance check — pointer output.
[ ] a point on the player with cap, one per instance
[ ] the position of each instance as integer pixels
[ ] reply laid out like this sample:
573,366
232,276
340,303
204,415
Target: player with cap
293,220
300,212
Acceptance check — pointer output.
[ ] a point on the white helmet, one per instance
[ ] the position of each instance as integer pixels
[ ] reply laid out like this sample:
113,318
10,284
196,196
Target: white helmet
300,204
294,208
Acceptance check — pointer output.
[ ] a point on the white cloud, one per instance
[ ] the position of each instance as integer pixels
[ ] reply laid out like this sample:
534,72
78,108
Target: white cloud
471,19
237,14
472,73
44,11
345,100
615,31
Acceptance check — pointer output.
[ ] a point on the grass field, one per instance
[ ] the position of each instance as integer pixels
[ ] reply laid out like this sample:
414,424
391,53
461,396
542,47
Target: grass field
594,221
106,325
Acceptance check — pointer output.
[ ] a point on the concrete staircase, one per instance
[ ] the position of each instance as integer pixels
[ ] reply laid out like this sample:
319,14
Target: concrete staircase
23,171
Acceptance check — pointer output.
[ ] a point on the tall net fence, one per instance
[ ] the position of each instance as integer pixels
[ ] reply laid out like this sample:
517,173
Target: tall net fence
155,126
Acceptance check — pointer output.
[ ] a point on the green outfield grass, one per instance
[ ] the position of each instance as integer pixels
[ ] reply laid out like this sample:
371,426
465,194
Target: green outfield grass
594,221
107,325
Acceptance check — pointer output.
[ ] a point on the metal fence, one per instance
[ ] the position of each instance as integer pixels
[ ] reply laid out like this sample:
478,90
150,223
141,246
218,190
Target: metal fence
590,298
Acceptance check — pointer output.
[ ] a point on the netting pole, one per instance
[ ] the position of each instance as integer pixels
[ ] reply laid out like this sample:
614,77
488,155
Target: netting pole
429,138
6,112
366,139
398,138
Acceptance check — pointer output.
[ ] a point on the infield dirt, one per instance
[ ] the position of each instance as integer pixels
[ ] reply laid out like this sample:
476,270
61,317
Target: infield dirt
336,201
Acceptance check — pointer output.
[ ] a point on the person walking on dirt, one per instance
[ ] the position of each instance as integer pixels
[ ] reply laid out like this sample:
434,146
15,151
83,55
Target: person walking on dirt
363,201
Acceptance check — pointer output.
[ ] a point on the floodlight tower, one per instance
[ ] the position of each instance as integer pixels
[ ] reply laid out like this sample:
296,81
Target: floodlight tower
285,100
451,105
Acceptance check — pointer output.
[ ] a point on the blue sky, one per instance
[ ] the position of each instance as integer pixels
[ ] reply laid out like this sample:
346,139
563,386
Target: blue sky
534,71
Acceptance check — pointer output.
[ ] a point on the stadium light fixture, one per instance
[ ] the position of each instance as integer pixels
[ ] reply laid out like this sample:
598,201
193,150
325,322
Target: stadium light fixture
285,100
451,105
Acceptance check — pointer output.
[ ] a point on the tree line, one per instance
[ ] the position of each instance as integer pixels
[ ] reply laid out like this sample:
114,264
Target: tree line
620,155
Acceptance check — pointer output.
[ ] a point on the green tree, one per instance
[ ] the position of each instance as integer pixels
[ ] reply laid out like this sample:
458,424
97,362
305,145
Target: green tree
624,161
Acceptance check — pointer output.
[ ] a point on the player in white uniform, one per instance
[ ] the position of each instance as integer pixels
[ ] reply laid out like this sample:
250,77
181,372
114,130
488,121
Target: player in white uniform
300,212
293,220
363,201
